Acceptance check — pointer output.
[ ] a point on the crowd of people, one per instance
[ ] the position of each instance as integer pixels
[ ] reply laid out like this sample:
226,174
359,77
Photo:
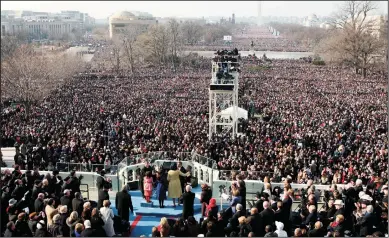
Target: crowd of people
47,205
307,123
258,39
310,122
346,213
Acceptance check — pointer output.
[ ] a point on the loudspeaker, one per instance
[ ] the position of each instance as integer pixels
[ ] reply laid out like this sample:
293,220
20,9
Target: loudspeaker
134,185
194,182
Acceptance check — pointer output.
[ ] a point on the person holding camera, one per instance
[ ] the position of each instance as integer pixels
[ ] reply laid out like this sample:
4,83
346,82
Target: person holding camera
107,216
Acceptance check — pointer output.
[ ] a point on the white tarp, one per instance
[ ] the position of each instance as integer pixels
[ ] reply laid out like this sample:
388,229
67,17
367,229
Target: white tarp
226,113
227,38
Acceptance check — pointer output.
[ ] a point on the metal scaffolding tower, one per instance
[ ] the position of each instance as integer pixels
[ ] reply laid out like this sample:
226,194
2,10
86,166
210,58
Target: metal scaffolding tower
223,94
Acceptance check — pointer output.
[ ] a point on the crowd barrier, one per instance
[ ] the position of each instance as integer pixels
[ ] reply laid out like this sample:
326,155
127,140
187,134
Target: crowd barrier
204,169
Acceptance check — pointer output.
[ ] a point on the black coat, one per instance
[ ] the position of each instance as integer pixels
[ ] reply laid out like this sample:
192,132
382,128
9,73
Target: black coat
19,192
183,179
206,195
87,233
220,226
102,195
188,202
35,191
367,222
77,205
234,222
65,200
310,219
259,205
255,220
123,204
338,212
97,225
65,229
41,233
38,205
22,229
100,181
267,218
317,233
242,193
75,184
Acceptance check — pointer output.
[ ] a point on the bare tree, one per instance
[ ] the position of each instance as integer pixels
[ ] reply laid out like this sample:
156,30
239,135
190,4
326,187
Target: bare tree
356,44
8,45
115,56
175,40
192,32
156,43
30,78
213,32
129,37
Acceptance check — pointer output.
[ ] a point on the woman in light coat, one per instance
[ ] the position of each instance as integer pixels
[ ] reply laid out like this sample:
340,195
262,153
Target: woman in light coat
107,215
173,176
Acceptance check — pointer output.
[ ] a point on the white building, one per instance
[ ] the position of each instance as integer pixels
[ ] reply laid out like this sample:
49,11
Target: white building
40,25
119,21
311,21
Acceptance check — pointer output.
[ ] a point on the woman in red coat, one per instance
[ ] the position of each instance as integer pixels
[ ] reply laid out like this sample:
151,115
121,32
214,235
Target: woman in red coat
148,186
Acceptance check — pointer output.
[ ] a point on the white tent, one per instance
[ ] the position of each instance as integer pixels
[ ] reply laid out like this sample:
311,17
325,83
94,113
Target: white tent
226,113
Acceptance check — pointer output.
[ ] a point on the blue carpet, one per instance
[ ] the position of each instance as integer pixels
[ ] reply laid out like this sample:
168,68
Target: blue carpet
150,217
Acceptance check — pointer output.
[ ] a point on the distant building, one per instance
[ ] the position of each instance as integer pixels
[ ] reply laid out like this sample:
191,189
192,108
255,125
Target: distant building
119,21
233,18
311,21
43,25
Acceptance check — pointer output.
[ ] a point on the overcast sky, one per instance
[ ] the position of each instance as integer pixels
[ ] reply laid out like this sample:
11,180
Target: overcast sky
103,9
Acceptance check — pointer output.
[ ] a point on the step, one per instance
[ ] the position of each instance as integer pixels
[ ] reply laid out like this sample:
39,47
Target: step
145,204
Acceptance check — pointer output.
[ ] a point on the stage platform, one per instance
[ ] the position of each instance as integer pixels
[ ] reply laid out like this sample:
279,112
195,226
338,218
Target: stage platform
145,218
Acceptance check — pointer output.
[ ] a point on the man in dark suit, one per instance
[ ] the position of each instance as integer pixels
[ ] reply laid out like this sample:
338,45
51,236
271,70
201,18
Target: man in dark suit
37,189
234,221
182,179
254,219
65,200
367,222
339,209
38,203
311,219
88,231
287,203
242,192
267,218
102,195
77,203
188,201
123,204
261,197
100,180
75,182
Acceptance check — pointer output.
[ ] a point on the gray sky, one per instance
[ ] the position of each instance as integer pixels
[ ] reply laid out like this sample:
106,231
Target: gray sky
103,9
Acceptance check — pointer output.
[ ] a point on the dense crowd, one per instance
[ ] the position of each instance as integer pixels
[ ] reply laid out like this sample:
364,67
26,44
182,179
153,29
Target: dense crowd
258,39
47,205
310,122
358,213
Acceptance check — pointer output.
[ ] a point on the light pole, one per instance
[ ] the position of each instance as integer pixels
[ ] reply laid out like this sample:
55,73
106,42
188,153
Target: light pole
125,125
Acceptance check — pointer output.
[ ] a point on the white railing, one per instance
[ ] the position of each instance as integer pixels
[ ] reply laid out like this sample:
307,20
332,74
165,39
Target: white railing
203,169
